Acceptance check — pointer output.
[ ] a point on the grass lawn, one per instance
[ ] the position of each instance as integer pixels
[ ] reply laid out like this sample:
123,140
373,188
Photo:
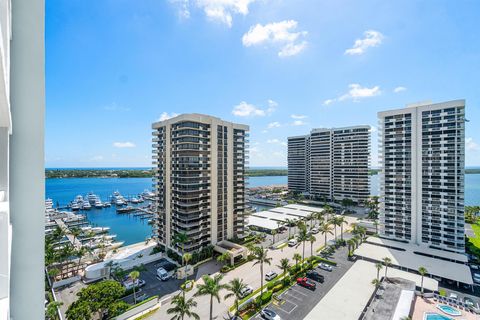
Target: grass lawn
476,240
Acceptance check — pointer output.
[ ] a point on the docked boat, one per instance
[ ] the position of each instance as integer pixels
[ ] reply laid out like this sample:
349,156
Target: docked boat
98,204
86,205
126,209
134,200
75,206
48,203
92,198
107,204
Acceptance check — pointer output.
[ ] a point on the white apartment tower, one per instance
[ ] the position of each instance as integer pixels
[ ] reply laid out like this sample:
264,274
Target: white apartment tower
331,163
422,153
199,180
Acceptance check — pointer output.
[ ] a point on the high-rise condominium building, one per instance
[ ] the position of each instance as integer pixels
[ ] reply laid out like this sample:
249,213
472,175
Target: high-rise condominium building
331,163
422,151
199,164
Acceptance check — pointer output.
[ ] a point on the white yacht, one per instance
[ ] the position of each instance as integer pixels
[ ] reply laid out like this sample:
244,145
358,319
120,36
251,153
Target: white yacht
48,203
91,197
134,200
75,206
86,205
98,204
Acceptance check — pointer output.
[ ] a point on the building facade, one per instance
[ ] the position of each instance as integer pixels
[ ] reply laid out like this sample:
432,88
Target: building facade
199,164
331,163
422,154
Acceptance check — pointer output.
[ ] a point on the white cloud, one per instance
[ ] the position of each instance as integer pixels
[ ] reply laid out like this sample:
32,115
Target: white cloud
216,10
298,123
328,102
264,131
125,144
245,109
355,93
373,129
298,116
274,125
471,145
279,34
399,89
371,38
165,116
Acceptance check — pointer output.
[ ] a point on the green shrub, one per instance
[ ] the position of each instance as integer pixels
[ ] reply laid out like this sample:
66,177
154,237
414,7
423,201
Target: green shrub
320,259
266,297
225,268
277,288
442,292
270,285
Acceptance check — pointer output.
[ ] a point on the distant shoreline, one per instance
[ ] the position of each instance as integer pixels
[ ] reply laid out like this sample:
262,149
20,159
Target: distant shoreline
147,173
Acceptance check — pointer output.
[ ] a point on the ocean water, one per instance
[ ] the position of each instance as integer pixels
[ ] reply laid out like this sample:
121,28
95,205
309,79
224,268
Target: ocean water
131,229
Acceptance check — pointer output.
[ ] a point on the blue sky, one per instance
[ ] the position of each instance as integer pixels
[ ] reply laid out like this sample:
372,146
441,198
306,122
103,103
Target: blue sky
283,67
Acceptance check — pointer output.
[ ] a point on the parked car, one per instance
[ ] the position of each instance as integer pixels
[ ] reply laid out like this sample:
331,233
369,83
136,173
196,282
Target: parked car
468,302
269,314
142,297
128,284
292,242
314,230
307,283
163,274
314,275
246,291
453,296
271,275
325,267
474,266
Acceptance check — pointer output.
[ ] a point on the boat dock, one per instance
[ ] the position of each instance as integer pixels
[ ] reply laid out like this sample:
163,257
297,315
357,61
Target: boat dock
76,243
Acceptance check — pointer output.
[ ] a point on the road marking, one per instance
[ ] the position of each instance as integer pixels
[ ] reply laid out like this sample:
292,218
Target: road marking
296,298
299,292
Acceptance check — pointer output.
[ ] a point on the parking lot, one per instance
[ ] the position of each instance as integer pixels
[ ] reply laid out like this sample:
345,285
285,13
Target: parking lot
154,286
296,302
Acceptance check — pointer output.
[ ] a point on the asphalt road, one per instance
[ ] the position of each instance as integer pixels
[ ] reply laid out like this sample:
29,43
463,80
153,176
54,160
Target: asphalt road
298,301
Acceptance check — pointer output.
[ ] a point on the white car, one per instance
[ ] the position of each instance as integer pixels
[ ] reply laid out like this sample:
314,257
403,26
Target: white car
314,230
271,275
292,242
246,291
325,266
269,314
453,296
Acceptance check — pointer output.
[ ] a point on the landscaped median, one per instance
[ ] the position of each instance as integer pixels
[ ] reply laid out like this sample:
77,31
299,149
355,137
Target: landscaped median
252,303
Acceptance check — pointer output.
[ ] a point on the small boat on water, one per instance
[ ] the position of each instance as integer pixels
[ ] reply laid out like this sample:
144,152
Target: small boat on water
134,200
48,203
107,204
92,198
86,205
98,204
75,206
126,210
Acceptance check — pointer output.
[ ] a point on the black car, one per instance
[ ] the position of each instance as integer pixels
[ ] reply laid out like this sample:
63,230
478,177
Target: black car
315,276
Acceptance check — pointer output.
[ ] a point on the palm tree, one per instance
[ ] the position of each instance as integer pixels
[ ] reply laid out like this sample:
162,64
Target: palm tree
423,271
183,308
340,222
235,287
333,222
210,287
297,257
187,257
351,245
284,265
379,267
312,240
274,232
134,276
224,258
180,239
75,232
289,223
319,216
261,257
302,237
376,223
328,211
376,283
386,262
325,229
310,217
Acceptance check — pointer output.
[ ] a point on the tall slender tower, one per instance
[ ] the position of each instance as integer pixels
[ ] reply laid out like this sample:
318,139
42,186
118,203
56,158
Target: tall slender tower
199,180
422,153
